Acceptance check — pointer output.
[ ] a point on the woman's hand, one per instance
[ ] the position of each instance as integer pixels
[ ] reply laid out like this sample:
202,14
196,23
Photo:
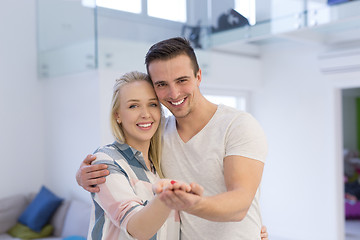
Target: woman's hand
170,185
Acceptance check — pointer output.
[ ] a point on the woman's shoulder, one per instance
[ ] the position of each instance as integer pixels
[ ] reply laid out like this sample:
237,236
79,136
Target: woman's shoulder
109,152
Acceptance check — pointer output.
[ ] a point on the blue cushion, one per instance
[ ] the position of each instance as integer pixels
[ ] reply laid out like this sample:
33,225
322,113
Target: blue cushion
40,210
74,238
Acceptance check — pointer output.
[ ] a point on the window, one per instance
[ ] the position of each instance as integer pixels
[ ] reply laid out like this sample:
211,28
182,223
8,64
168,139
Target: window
173,10
88,3
231,101
133,6
247,9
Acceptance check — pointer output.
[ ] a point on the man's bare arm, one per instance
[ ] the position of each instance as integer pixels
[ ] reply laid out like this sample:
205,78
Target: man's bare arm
242,178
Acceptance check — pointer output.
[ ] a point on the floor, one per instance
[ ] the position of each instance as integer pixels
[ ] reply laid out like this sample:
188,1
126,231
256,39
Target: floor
352,230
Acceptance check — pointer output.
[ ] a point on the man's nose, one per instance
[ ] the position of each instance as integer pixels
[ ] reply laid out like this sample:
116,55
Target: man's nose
173,92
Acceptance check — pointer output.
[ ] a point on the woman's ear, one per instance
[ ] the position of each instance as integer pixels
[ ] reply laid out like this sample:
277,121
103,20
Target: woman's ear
117,117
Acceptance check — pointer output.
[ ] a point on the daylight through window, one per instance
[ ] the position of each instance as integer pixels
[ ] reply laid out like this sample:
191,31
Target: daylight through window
247,9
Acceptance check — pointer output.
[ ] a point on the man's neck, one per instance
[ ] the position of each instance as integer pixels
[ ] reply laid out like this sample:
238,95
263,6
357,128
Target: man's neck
193,123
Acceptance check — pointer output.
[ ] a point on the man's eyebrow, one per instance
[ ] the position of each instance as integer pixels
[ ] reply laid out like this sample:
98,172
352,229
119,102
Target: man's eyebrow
179,78
157,82
182,77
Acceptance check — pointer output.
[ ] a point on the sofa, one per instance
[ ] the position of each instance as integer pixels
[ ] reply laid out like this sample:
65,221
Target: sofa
69,221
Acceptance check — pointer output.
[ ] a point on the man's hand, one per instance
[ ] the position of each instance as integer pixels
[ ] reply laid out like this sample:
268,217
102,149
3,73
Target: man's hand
176,198
264,234
88,176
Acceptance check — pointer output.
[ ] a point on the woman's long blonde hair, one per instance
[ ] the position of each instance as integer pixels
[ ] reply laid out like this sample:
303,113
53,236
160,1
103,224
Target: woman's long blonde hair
117,130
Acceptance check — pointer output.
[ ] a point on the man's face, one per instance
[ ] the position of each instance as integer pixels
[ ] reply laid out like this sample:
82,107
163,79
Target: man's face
175,84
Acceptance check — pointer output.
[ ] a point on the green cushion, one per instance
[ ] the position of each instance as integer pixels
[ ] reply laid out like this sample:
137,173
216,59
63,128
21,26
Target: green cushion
24,232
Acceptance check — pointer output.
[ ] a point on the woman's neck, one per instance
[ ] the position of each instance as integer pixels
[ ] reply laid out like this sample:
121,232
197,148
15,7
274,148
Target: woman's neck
143,147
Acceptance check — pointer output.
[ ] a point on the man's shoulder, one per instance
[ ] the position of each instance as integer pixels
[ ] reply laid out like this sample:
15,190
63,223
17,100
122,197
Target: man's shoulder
230,113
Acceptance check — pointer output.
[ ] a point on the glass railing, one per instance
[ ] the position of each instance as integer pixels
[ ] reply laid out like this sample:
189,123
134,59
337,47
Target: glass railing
66,38
74,38
316,17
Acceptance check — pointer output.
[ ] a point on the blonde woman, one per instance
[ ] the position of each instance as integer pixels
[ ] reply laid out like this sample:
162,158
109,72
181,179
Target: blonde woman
125,206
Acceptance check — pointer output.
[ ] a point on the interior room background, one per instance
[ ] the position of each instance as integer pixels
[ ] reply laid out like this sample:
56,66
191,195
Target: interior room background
54,109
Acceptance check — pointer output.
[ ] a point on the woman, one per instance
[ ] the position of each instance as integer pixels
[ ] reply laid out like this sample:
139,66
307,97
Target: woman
125,206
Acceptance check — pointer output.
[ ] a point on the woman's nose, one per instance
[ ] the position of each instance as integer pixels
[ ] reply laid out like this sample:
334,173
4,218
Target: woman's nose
145,112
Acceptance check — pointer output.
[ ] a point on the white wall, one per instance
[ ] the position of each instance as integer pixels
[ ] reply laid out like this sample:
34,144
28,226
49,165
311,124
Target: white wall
21,99
72,129
229,71
47,125
297,106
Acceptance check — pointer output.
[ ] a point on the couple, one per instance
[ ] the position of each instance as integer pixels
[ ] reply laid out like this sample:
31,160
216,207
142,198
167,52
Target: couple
217,149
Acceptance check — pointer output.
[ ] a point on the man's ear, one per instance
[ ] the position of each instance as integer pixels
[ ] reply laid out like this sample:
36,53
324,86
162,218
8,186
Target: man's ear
198,77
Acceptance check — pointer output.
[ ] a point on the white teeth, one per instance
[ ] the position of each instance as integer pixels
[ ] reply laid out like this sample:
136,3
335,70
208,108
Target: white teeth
179,102
144,125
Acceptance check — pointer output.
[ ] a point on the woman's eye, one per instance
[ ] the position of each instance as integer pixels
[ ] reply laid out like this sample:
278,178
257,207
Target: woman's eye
132,106
154,105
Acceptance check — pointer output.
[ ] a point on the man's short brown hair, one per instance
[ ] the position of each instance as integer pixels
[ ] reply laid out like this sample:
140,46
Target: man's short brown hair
170,48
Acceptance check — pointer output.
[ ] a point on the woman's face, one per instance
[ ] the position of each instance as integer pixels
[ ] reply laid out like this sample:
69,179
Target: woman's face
138,112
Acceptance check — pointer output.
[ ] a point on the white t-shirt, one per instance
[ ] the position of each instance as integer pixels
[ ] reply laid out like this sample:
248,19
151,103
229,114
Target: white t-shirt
200,160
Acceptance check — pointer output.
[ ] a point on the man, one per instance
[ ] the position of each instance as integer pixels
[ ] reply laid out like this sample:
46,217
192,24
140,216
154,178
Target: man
218,147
